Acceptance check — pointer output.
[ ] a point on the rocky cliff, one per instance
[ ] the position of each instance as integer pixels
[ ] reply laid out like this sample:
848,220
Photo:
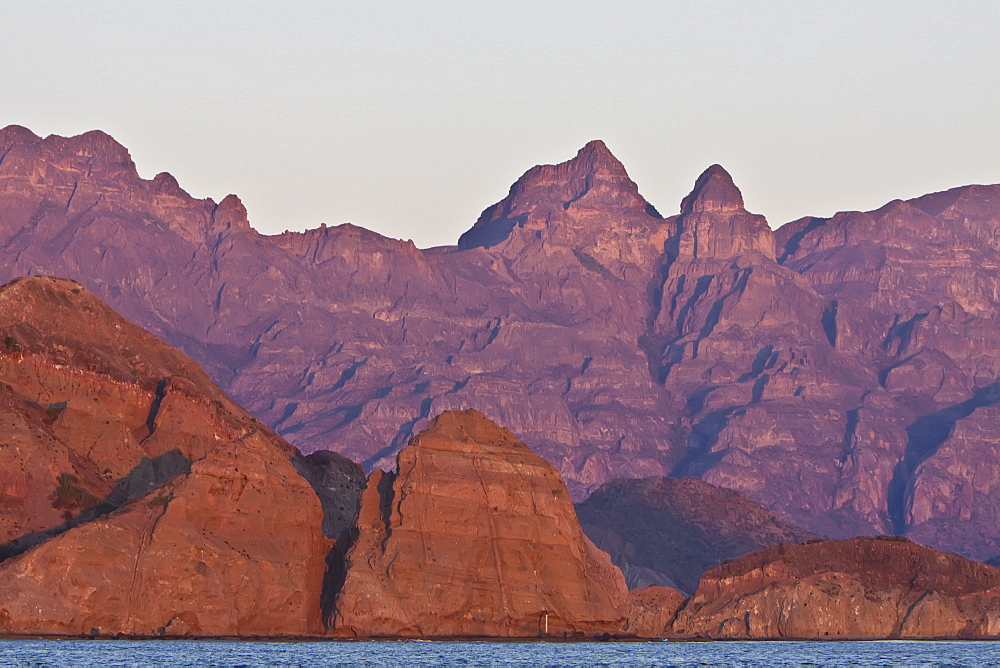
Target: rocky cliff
668,531
652,611
911,289
838,371
475,535
137,498
859,588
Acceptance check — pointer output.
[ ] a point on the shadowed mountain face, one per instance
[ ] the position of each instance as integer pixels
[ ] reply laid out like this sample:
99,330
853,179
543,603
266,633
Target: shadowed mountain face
668,531
841,371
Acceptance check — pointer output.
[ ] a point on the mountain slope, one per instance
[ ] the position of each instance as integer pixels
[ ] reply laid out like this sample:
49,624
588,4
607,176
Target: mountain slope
668,531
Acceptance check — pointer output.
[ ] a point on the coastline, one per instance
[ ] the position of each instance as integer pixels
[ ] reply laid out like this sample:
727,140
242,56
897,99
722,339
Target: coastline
467,639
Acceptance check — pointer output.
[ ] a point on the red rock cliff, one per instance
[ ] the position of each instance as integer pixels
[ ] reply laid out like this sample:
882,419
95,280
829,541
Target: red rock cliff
859,588
474,536
138,498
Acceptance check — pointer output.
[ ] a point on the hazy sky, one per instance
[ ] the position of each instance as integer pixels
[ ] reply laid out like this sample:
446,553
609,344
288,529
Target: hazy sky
409,118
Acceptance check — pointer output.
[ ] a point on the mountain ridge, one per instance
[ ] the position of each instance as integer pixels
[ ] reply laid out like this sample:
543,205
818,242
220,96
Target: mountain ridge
800,366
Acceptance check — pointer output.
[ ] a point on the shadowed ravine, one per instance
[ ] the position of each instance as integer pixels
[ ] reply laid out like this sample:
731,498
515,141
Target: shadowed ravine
924,438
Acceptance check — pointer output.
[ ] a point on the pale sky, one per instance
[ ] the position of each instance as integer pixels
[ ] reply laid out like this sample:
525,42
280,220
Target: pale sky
409,118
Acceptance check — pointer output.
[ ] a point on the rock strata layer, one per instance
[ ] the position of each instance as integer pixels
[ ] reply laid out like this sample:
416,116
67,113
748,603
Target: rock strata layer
137,498
475,535
859,588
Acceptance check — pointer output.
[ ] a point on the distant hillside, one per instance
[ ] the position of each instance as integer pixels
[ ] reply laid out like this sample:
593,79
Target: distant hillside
668,531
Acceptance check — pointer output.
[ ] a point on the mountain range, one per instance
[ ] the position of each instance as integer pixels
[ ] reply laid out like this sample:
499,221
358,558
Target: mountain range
842,372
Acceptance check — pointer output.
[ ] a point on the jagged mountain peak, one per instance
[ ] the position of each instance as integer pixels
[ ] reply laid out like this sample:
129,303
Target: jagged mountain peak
615,343
713,191
167,184
593,163
230,213
728,229
594,179
95,153
596,155
94,144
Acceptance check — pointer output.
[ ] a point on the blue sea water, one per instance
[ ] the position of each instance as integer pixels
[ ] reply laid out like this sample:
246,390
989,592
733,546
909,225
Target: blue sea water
415,653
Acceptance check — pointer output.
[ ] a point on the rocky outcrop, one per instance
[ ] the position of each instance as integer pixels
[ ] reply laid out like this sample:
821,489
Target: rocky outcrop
338,482
840,372
212,552
652,611
475,535
859,588
668,531
138,499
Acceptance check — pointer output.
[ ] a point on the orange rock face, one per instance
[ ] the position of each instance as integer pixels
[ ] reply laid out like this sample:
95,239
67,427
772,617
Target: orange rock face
858,588
652,610
474,536
137,498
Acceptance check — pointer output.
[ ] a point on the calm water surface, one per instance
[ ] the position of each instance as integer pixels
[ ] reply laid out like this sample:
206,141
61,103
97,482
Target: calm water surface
203,653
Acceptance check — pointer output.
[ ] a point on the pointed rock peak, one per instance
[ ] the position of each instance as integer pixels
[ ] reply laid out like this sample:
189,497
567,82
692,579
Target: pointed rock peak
897,207
594,179
232,202
468,427
713,191
597,152
594,158
731,230
230,212
461,424
98,138
596,146
95,153
166,183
